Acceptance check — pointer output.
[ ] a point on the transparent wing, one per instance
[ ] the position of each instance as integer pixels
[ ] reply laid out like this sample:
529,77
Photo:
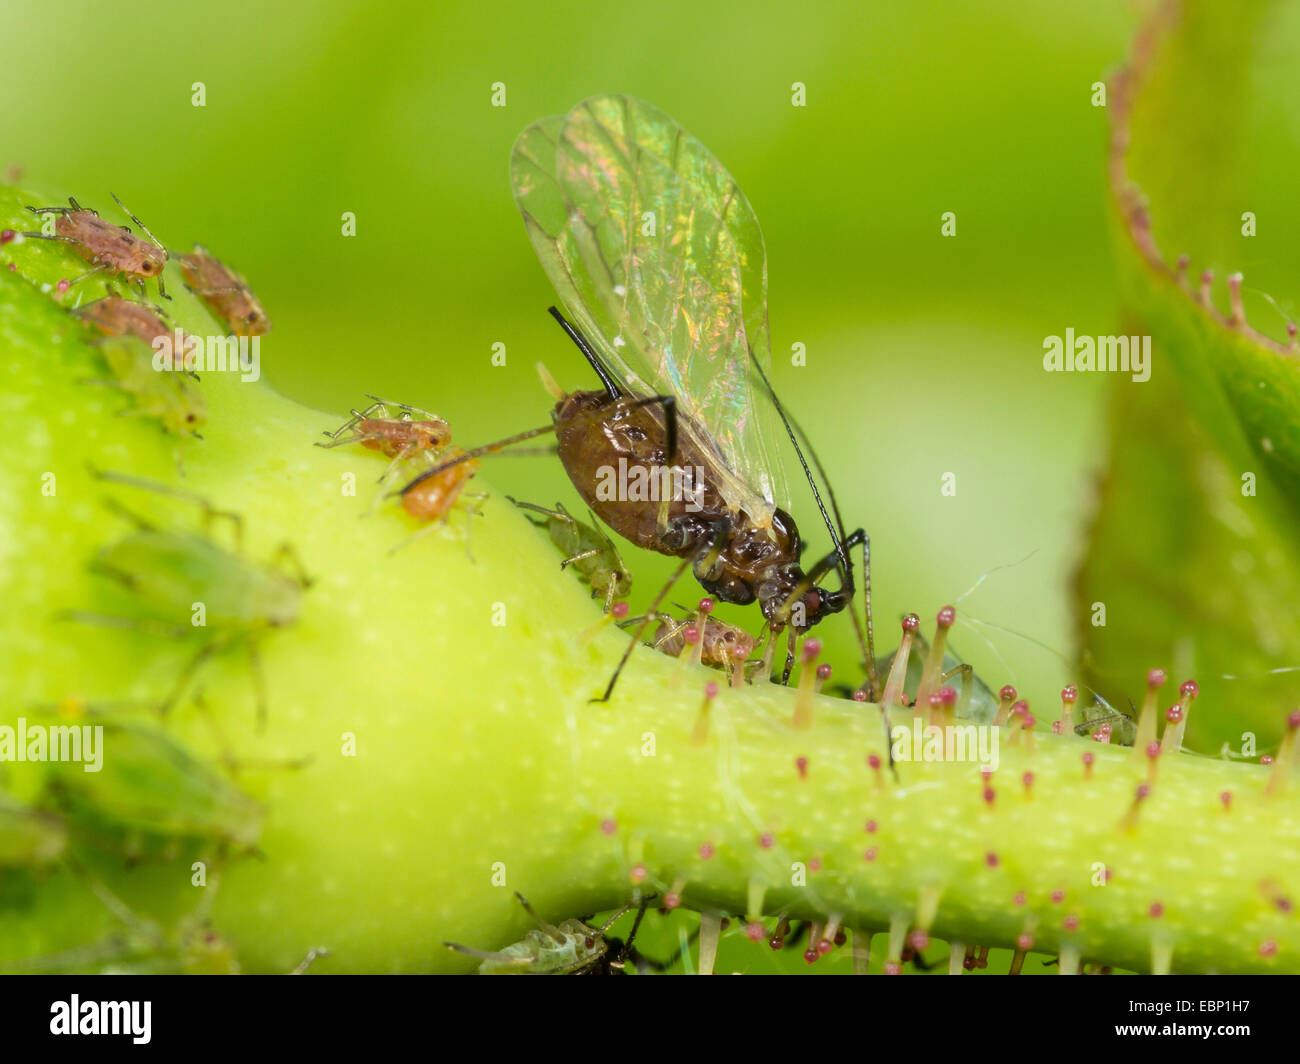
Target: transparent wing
658,257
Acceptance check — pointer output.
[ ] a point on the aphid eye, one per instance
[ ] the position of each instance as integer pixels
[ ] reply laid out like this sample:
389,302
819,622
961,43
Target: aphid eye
191,417
591,942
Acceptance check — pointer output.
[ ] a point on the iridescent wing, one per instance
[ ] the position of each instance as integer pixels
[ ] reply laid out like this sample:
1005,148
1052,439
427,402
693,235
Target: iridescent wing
658,257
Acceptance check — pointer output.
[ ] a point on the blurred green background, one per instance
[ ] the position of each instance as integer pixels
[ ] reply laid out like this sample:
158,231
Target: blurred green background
924,352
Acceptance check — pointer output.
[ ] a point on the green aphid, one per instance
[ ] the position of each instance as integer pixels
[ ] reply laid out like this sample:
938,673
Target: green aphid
193,589
149,786
190,948
587,549
983,703
572,948
29,838
169,397
1096,711
144,947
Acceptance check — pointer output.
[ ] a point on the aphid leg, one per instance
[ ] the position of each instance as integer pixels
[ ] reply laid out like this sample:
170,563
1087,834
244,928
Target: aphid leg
471,510
429,528
259,684
58,210
967,685
578,557
218,291
233,764
790,637
640,915
357,416
49,236
285,553
644,964
636,636
186,675
313,954
619,960
400,457
89,273
115,905
548,514
837,560
122,510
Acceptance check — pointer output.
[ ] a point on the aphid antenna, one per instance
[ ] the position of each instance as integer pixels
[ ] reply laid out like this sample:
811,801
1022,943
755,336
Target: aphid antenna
837,533
133,624
144,228
489,955
153,239
839,537
404,407
550,929
975,623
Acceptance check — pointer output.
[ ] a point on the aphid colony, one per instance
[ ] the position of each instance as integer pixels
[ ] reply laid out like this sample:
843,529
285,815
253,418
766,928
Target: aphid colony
130,333
150,799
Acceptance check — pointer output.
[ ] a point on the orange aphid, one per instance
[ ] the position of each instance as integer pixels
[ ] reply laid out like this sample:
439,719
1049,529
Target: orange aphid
115,316
106,246
226,294
433,497
397,437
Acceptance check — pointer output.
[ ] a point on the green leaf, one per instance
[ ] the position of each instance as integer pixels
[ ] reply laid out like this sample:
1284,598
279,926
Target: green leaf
1194,576
1192,551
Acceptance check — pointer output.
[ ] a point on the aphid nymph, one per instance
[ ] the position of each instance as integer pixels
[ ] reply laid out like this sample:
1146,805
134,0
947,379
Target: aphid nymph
572,948
396,429
587,549
106,246
168,571
226,294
